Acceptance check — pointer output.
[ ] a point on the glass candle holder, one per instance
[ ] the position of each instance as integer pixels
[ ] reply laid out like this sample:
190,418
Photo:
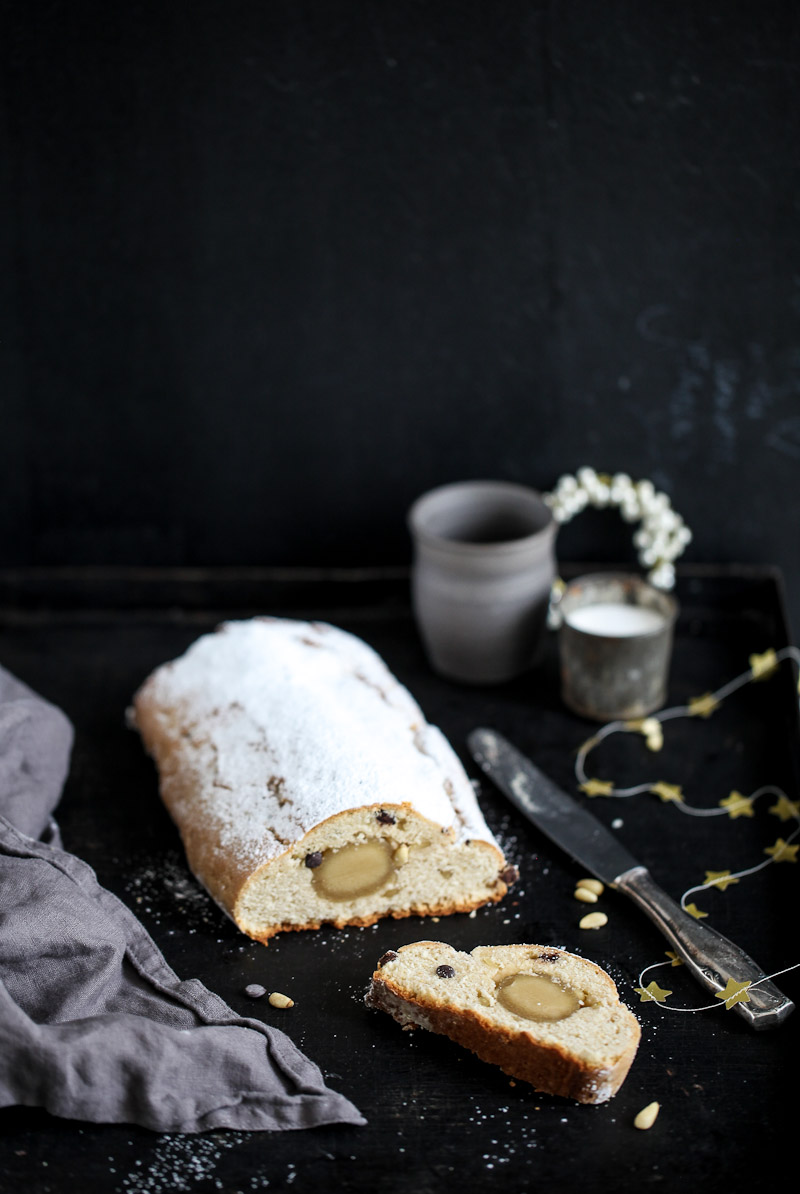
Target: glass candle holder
615,645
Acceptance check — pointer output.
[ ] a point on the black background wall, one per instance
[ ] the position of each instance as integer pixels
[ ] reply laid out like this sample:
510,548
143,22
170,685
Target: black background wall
269,270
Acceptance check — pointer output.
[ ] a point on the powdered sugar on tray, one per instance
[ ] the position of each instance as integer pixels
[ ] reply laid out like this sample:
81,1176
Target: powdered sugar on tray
163,885
179,1163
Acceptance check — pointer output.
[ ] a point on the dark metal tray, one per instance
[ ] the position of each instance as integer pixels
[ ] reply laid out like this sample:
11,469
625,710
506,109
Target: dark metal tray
437,1116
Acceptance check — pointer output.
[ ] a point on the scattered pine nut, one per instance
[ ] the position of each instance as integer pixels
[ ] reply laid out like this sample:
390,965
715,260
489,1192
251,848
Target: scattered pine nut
585,896
593,920
647,1116
592,885
401,854
278,1000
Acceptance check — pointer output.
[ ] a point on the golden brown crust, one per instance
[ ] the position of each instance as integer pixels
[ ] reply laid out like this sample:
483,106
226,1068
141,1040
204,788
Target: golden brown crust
549,1066
221,873
364,922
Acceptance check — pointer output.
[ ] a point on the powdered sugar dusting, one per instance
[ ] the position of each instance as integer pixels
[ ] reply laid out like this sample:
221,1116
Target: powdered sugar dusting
285,724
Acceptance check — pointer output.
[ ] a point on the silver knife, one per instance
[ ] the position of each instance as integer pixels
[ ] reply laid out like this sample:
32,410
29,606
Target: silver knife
711,958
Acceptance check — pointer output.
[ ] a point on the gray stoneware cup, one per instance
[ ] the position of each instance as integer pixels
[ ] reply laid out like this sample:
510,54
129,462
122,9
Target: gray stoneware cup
484,566
606,677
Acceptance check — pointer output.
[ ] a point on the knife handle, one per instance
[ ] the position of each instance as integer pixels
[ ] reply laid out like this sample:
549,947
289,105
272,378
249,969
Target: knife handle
711,958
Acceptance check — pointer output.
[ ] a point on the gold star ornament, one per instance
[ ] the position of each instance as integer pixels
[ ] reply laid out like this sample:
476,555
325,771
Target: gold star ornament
786,809
674,960
782,851
720,879
734,993
667,792
737,805
652,993
694,911
703,706
764,665
598,787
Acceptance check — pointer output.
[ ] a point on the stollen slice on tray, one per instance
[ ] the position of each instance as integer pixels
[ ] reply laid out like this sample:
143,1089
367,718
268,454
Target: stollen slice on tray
542,1015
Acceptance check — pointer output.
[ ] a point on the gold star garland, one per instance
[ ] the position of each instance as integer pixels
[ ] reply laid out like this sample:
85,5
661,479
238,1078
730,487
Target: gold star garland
720,879
734,805
737,805
652,992
703,706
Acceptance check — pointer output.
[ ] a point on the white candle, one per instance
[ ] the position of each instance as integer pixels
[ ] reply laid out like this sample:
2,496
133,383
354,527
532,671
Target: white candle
614,619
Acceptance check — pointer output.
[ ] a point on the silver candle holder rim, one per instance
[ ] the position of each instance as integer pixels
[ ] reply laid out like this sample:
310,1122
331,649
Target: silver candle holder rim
665,603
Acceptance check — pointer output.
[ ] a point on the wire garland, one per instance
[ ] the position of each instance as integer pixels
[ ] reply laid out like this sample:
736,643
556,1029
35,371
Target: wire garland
734,805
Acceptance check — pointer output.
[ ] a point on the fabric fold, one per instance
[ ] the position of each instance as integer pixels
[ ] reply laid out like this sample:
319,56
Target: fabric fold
94,1024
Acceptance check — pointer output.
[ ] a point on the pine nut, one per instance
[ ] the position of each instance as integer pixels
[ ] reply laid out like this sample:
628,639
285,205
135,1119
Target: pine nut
278,1000
585,896
592,885
401,854
647,1116
594,920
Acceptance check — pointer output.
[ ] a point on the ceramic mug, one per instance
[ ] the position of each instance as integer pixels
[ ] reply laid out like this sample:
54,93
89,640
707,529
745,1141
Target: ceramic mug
484,566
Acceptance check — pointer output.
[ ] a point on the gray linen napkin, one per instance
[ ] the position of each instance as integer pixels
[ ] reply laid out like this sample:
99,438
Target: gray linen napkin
94,1024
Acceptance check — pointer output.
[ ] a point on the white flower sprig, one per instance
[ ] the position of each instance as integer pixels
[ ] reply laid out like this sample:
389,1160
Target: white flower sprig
660,539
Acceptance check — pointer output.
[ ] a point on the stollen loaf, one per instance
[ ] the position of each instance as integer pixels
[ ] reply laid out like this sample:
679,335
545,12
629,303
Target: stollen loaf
306,784
541,1014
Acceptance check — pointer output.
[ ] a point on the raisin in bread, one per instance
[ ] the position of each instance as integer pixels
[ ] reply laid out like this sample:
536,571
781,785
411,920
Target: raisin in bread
308,787
540,1014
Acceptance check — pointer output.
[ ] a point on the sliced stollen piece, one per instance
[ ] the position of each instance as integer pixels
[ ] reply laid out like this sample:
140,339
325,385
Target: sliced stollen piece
308,787
542,1015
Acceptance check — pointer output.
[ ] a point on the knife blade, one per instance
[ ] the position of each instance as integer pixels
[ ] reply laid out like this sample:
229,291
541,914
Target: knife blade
710,958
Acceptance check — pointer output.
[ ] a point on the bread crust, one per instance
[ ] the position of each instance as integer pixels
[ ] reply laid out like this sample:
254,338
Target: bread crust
223,874
550,1066
364,922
